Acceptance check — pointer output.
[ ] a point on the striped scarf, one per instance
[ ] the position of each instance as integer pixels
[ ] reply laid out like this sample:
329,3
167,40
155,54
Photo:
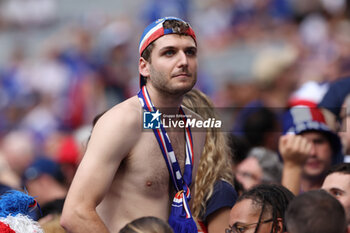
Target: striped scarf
180,218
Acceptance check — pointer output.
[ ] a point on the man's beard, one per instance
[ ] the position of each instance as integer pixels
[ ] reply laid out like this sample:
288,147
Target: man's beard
159,81
314,177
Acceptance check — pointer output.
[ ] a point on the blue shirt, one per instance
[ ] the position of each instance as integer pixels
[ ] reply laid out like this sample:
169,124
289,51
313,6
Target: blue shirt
224,196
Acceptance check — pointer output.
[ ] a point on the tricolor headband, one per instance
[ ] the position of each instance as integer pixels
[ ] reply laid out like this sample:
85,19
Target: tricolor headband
155,30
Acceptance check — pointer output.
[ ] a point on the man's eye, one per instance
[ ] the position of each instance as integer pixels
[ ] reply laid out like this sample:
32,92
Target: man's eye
319,141
241,229
169,52
336,193
191,52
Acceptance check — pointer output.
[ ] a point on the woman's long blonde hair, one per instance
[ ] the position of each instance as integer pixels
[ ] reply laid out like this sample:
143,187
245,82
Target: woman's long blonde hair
216,160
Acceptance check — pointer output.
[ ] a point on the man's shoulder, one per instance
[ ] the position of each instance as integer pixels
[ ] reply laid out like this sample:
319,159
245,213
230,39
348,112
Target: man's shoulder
131,104
120,125
126,113
128,107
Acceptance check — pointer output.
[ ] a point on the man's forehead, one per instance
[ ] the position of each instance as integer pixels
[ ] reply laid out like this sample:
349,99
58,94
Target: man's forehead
245,208
315,135
336,179
174,40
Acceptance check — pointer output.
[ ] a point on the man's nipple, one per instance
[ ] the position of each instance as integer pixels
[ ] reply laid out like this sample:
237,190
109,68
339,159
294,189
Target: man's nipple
148,183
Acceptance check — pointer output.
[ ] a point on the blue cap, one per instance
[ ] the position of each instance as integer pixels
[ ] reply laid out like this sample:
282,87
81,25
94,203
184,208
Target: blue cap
300,119
42,165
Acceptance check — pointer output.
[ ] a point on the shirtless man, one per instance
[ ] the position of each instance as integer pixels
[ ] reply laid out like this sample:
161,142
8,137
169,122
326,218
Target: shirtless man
123,175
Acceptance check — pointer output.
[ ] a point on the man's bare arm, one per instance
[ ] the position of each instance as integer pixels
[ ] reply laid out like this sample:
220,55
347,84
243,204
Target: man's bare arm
294,150
113,137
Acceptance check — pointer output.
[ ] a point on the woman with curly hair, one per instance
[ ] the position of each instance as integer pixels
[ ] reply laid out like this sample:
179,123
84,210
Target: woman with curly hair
214,191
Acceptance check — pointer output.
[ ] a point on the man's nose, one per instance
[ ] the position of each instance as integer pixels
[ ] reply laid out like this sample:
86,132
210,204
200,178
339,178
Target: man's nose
313,150
183,59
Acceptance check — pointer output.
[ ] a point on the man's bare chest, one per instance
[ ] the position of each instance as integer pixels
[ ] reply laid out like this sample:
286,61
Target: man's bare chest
148,162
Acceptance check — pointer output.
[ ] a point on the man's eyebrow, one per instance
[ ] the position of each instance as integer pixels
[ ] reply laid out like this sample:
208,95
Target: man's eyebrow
318,139
174,47
191,47
239,224
336,189
167,48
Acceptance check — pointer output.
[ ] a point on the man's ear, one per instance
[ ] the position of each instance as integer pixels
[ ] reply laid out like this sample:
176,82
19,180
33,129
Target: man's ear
143,67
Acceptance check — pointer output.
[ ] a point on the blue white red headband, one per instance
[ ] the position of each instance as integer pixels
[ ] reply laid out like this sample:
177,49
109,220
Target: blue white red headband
155,30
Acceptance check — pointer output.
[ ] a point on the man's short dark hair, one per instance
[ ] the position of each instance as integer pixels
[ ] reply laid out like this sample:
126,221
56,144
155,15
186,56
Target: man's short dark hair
315,211
343,168
272,199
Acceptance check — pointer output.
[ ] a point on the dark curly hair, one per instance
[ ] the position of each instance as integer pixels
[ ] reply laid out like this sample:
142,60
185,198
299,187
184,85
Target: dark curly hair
271,199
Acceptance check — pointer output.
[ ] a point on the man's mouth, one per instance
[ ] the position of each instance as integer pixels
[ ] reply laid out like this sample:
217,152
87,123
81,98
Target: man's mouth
313,163
181,75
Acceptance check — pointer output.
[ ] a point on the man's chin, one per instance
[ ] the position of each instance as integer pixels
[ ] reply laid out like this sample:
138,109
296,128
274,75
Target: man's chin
314,173
183,88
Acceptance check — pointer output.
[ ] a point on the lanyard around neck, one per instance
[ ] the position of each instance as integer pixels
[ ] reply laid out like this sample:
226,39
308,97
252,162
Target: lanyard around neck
180,182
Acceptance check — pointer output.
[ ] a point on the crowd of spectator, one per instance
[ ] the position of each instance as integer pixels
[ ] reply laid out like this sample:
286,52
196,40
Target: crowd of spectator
258,57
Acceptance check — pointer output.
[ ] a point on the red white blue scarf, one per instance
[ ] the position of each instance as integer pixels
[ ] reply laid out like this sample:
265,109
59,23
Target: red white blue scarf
180,217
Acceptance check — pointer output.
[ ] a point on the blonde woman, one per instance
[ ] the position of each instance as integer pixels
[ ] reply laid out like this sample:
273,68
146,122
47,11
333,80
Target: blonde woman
214,191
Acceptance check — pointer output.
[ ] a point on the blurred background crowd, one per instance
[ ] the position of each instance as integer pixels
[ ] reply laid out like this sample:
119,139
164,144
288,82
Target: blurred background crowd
64,62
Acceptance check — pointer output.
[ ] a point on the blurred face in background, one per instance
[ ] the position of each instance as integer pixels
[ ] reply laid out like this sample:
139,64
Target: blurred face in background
249,173
18,150
320,158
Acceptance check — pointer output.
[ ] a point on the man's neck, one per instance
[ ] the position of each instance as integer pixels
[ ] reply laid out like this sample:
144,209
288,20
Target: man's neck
165,102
